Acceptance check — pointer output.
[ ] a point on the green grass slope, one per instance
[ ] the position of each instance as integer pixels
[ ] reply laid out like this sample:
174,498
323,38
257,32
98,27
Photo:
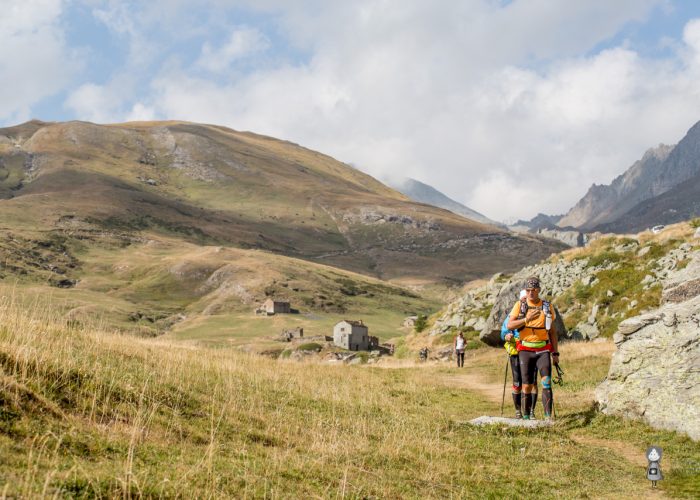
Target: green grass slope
154,284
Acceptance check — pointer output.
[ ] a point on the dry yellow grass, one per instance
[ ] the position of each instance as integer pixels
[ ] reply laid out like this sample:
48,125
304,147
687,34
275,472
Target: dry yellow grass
86,413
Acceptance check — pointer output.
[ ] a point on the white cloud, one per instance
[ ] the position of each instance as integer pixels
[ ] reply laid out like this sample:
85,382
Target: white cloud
511,110
124,19
92,102
109,102
242,43
35,62
141,112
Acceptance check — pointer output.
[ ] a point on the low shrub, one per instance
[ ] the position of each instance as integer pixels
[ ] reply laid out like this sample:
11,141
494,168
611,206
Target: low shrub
310,346
604,258
421,323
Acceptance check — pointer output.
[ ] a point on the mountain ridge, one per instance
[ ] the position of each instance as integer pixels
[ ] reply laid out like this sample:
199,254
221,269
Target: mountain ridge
214,185
661,170
424,193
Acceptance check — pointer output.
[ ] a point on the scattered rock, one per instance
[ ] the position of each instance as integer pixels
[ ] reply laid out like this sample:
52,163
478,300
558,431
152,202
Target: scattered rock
63,283
682,292
479,324
511,422
410,321
588,280
631,325
594,313
585,331
148,158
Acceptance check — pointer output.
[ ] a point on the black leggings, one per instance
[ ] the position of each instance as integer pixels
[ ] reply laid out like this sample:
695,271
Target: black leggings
460,358
532,362
515,370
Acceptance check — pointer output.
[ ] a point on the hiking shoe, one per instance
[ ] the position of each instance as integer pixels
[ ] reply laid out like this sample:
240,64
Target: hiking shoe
526,417
518,414
532,415
548,418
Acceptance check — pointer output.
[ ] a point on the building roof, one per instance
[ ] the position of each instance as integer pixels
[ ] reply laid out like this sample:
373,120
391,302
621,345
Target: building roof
354,322
277,301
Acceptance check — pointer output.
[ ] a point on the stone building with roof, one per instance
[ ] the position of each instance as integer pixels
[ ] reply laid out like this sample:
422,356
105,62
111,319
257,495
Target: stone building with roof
352,335
276,307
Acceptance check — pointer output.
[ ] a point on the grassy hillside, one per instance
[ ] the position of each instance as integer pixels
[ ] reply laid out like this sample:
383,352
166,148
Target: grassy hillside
617,276
215,186
619,289
85,413
158,284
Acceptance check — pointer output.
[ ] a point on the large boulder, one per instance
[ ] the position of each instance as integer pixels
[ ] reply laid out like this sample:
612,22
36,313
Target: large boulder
654,372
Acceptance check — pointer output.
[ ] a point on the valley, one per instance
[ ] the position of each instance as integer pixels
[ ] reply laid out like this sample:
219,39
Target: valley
133,258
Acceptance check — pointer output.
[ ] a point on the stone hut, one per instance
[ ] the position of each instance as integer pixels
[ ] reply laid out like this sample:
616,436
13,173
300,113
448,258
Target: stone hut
276,307
351,335
294,333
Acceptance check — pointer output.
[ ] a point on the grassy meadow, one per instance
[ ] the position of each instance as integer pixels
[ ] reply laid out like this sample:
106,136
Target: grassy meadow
86,413
208,294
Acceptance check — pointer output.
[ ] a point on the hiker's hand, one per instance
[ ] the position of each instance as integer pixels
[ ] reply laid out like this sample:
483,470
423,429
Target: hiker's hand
508,337
532,314
555,358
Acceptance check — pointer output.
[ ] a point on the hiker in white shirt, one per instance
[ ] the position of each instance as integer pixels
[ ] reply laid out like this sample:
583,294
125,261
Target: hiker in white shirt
459,349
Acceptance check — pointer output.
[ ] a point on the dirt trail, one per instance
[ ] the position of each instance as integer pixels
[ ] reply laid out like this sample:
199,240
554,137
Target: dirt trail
623,450
476,383
494,392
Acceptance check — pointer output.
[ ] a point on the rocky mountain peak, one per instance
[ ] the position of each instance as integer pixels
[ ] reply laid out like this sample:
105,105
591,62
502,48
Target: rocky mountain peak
660,170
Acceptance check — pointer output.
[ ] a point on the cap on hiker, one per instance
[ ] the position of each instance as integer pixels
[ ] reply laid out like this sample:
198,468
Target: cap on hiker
532,282
523,293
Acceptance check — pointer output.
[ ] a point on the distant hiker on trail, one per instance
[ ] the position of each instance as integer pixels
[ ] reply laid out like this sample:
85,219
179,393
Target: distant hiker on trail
423,354
459,345
510,337
534,319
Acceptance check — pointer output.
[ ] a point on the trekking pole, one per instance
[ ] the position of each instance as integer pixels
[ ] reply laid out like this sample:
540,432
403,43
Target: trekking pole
559,380
505,379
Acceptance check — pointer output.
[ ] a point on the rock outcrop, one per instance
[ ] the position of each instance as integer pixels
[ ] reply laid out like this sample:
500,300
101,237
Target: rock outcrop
655,371
469,311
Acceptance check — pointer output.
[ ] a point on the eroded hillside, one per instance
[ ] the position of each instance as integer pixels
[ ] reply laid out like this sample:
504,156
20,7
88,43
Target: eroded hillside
215,186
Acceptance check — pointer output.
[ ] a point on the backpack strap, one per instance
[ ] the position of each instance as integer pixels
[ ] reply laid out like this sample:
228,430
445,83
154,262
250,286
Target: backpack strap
523,309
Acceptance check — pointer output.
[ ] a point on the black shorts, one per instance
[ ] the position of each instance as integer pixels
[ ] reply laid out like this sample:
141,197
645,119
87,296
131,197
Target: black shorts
515,369
531,362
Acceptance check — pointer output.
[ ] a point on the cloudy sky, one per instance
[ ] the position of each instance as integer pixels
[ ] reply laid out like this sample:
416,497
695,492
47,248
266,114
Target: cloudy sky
510,107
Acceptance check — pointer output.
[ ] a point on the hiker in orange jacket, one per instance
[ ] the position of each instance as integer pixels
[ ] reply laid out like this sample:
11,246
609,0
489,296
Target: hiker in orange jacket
534,319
